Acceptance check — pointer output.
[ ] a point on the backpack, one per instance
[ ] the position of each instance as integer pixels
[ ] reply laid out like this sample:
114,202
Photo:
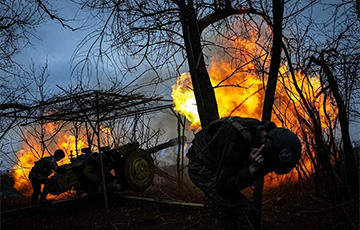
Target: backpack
42,166
201,143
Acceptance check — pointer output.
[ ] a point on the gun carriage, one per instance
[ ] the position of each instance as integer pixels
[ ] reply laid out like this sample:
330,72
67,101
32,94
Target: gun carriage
128,167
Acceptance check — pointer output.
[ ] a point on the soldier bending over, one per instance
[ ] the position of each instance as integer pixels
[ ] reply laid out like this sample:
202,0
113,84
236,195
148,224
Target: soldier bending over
40,173
229,154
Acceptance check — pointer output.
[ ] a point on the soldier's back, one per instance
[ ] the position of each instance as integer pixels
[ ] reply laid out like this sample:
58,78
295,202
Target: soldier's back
43,166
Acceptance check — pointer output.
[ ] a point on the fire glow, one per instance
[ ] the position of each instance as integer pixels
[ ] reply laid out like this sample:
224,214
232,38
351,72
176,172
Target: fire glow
240,92
32,152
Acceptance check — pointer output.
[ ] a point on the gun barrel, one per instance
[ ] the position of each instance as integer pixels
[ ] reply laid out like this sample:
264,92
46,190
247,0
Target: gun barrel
167,144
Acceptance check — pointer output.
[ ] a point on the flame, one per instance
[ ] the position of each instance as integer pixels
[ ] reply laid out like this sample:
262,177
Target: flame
184,100
240,92
32,152
20,172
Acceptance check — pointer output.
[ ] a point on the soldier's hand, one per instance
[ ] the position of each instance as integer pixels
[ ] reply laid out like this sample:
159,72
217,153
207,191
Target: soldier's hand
256,159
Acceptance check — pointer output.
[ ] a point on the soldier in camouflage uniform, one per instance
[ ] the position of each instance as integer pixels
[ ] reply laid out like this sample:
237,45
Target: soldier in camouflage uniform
229,154
40,173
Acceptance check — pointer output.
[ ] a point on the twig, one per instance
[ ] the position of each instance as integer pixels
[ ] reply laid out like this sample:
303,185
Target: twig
351,221
114,226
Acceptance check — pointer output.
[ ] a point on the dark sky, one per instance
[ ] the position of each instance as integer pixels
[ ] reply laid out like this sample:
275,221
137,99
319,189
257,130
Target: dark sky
57,44
54,44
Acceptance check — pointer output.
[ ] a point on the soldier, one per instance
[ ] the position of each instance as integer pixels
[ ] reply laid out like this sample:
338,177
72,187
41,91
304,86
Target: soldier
229,154
40,173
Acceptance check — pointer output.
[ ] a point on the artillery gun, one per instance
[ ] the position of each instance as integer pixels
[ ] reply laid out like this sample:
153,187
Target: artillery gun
128,167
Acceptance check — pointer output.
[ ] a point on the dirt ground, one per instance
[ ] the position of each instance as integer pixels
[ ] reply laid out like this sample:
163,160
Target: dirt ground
287,207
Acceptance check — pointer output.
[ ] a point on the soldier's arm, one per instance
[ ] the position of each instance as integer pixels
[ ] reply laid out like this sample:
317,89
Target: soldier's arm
53,165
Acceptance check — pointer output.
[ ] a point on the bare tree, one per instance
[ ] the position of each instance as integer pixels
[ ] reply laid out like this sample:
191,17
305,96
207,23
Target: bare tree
330,50
160,33
18,23
150,31
157,35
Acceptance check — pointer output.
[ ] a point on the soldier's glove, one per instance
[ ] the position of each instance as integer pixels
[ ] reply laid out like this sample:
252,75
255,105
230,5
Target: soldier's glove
256,159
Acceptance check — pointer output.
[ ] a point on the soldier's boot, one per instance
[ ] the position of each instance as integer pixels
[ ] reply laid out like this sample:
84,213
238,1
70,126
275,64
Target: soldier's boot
34,198
43,199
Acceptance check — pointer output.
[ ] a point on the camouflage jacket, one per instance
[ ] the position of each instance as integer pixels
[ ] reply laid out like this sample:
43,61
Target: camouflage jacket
224,147
45,166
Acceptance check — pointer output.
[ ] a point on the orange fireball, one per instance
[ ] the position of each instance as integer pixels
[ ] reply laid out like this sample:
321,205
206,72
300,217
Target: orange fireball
28,155
240,90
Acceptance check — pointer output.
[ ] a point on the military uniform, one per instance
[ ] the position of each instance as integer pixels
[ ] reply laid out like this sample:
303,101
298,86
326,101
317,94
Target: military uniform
39,174
219,166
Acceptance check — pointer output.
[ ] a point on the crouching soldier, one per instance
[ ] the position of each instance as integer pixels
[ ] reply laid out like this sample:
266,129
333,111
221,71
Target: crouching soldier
40,173
231,153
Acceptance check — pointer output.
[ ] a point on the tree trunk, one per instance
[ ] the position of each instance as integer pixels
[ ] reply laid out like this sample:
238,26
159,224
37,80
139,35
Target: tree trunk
203,90
278,9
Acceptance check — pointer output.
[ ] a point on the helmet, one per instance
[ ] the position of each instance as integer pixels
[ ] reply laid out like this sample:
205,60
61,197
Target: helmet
286,150
59,154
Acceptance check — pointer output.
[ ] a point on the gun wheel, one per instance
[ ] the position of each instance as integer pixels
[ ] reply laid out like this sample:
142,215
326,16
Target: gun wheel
139,170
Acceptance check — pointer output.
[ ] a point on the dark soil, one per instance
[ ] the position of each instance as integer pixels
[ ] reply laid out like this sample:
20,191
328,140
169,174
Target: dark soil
288,207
